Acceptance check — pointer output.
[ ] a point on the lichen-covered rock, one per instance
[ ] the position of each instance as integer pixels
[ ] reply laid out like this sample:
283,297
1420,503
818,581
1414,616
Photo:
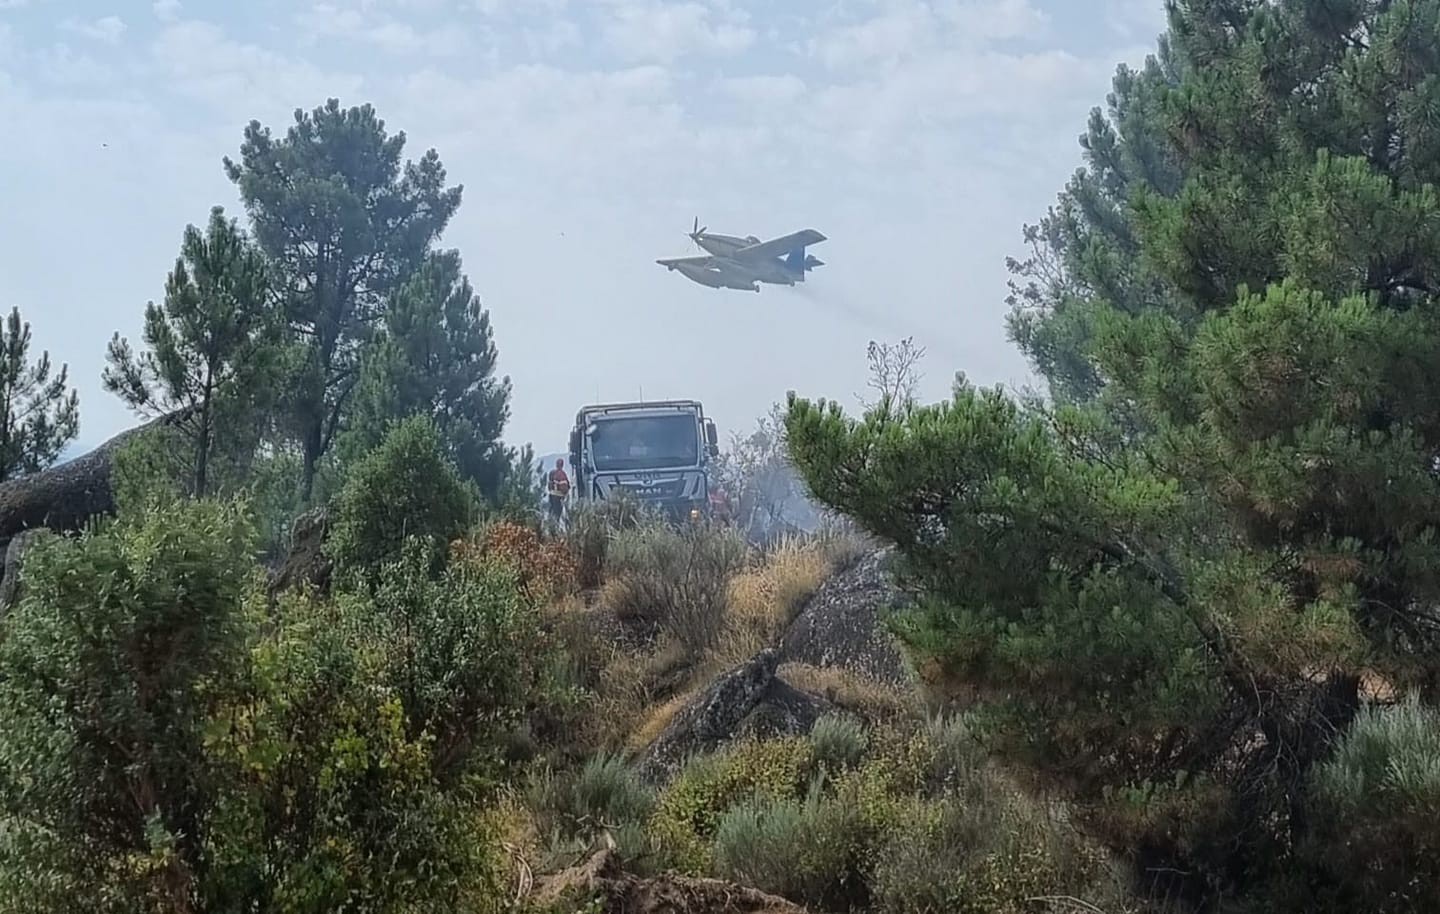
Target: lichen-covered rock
841,624
749,701
782,710
710,719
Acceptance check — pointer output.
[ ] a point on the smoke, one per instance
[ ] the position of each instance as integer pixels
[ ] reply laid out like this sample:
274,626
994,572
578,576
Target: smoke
831,301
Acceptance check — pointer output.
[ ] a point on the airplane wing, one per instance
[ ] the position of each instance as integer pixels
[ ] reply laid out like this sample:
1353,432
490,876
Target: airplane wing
698,260
777,247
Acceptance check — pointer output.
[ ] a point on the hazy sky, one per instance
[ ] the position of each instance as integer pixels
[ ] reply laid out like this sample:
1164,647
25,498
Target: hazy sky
588,135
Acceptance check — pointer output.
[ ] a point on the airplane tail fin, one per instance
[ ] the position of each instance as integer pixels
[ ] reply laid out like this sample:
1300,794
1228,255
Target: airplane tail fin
800,262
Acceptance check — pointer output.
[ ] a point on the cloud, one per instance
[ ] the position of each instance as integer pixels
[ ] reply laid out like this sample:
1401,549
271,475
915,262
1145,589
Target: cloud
64,67
239,80
763,91
896,32
904,130
1135,20
107,29
501,9
663,32
363,24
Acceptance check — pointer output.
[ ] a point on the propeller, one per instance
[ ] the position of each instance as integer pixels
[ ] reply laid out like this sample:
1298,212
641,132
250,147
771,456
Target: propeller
697,231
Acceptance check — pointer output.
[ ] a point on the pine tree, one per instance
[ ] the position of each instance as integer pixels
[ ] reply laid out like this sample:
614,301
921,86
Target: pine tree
1084,252
208,344
345,224
1192,633
39,415
434,355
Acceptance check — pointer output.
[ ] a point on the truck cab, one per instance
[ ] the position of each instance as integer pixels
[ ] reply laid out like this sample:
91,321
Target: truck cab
659,453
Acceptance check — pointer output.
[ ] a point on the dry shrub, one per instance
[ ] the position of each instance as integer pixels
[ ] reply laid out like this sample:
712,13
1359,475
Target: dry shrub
994,851
841,542
621,699
592,525
769,597
545,568
762,601
675,580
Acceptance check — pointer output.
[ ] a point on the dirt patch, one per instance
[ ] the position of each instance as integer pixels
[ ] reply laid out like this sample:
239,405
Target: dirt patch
601,878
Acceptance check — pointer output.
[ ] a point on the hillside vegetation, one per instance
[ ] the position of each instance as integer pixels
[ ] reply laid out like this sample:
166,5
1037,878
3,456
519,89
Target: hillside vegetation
1164,637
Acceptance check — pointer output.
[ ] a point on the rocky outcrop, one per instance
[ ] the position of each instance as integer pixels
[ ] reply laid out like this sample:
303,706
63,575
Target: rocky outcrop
841,625
747,700
602,878
782,710
64,497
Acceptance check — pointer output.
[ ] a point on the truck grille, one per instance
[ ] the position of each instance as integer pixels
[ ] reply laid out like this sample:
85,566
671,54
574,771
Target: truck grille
666,489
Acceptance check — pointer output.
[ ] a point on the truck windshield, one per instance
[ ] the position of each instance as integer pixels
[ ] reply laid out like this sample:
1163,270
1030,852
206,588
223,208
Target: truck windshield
645,442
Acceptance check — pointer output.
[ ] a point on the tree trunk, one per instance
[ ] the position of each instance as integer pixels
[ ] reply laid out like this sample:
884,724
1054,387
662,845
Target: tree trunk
313,442
202,444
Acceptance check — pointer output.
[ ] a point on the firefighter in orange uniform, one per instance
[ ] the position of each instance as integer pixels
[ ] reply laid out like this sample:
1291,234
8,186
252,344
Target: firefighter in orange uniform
558,489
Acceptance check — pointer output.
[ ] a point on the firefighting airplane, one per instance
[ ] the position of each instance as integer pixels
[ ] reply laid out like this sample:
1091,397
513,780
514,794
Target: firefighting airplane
742,263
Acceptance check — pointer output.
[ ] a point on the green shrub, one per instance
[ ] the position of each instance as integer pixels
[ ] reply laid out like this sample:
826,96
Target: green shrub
676,579
604,793
462,650
405,487
839,741
122,647
149,469
989,851
809,849
959,755
690,809
1377,834
171,742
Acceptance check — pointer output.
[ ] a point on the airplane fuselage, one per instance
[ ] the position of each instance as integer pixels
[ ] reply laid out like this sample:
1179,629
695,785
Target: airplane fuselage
723,245
770,270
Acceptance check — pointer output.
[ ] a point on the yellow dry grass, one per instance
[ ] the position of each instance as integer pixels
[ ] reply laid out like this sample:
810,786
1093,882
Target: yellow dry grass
852,691
656,720
761,602
764,600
